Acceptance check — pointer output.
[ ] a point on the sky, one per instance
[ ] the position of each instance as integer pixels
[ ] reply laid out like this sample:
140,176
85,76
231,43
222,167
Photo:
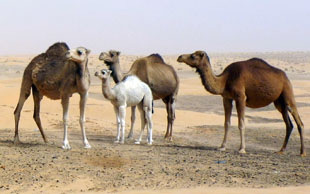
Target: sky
141,27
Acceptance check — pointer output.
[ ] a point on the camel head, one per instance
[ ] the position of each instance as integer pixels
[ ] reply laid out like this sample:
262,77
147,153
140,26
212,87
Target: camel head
110,58
195,60
78,55
103,74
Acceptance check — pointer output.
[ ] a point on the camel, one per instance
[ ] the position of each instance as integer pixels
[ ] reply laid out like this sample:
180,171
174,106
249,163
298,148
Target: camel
161,78
252,83
131,91
56,74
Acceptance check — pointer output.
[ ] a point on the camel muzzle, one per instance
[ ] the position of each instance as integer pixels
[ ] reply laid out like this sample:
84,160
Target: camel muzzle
180,59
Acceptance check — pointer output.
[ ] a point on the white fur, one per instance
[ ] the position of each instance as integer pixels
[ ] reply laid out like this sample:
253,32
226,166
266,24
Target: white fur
128,93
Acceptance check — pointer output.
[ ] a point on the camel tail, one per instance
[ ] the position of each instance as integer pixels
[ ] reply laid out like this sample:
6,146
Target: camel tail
152,106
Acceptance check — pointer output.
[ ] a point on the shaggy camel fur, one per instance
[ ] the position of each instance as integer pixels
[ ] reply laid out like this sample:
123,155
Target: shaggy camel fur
131,91
56,74
161,78
253,83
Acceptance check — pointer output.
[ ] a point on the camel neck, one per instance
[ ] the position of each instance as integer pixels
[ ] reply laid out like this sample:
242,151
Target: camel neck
83,78
212,83
107,91
116,72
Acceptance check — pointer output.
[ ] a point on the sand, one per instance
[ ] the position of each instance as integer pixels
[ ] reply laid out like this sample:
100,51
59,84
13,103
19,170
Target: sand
189,164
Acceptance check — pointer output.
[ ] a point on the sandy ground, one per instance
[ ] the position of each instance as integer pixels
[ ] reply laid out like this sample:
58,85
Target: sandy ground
189,164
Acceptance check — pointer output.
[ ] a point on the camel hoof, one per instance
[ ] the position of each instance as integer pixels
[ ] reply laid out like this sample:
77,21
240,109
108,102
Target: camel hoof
222,149
66,147
137,142
280,152
16,141
303,154
149,143
242,151
130,137
87,146
168,138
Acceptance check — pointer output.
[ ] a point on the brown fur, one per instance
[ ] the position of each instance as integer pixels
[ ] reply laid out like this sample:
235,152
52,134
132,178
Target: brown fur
253,83
161,78
52,75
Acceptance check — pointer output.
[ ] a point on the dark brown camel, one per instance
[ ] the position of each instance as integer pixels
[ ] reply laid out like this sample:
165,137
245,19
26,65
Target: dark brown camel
252,83
56,74
161,78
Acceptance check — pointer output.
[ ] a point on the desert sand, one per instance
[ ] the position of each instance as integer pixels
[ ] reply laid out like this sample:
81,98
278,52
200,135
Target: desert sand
190,163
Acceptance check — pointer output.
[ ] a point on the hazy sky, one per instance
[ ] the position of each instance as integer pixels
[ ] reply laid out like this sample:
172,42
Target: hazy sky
163,26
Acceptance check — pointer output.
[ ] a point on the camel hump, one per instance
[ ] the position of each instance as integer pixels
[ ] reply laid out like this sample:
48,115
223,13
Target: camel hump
262,63
57,49
156,58
255,59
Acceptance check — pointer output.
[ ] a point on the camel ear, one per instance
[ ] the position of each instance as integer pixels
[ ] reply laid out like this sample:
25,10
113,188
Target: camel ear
204,54
87,51
109,72
118,53
101,56
96,74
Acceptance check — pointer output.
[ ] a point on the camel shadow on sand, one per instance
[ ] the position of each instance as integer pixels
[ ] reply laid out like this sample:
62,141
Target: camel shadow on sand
10,143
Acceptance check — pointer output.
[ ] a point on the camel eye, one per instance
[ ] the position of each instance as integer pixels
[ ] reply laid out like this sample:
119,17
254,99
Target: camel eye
79,52
192,56
103,72
112,55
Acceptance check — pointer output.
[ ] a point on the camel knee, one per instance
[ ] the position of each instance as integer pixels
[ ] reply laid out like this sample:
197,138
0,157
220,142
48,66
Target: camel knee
36,115
133,118
65,121
170,118
122,123
82,121
17,112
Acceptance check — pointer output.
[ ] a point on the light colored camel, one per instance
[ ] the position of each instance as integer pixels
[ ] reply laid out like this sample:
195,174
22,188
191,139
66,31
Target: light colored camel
253,83
131,91
160,77
56,74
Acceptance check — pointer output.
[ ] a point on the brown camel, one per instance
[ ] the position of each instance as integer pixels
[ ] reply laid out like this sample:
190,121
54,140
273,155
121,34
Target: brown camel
252,83
56,74
161,78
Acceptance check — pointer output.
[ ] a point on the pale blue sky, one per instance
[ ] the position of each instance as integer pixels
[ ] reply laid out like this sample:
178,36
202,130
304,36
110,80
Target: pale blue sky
163,26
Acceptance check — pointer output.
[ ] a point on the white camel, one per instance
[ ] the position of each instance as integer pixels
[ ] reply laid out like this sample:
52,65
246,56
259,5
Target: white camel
131,91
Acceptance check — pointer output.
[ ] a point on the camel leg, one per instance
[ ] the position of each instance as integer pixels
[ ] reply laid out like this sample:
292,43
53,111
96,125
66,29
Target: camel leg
65,110
168,119
148,117
118,124
300,127
36,114
142,116
122,116
24,94
227,109
282,108
133,119
170,107
172,115
83,99
240,105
